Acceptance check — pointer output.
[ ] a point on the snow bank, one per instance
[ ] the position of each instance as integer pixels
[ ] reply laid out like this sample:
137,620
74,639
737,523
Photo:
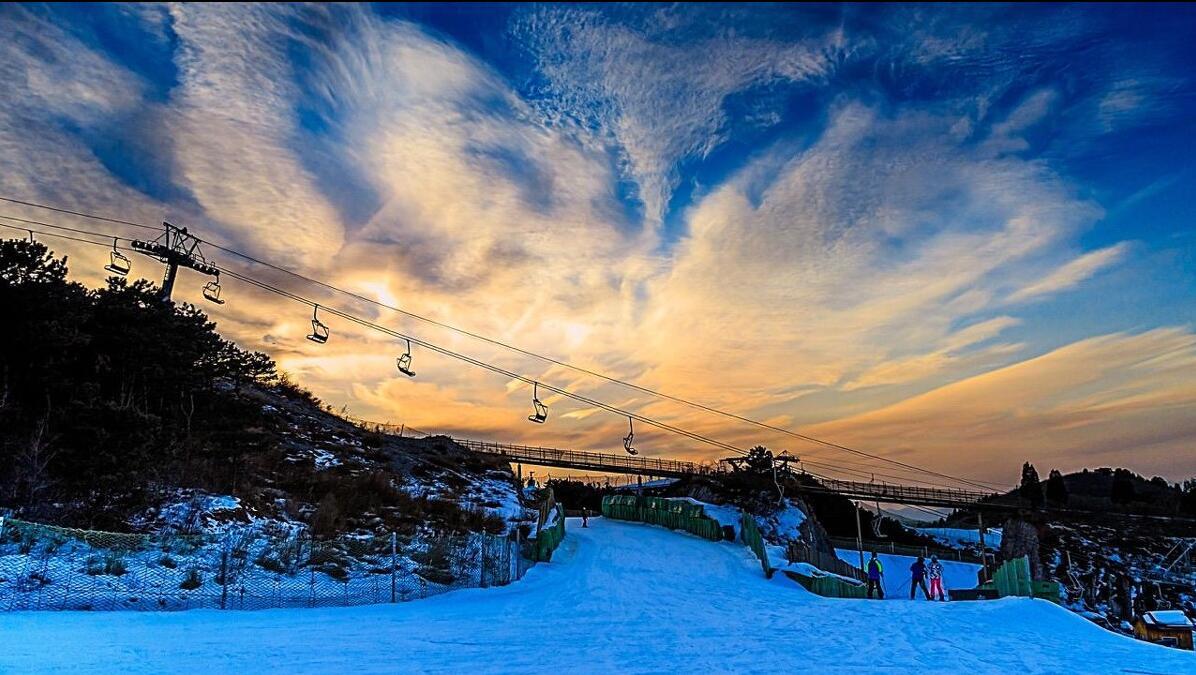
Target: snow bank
580,613
962,537
726,516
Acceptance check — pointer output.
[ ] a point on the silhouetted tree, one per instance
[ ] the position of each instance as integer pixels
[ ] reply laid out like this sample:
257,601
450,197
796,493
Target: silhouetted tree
1187,503
106,392
1031,486
1056,488
1122,490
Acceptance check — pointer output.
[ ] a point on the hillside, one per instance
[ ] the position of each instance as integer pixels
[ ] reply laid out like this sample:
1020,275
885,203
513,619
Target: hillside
122,412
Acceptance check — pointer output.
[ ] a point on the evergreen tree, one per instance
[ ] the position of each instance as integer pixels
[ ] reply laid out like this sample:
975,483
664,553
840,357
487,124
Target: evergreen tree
1122,490
1187,504
104,393
1031,486
1056,488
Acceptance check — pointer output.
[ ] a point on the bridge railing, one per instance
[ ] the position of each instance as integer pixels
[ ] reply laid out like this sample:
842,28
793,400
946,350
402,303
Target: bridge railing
653,466
598,460
883,491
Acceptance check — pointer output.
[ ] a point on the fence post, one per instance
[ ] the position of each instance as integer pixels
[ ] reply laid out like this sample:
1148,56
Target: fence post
482,566
224,576
394,563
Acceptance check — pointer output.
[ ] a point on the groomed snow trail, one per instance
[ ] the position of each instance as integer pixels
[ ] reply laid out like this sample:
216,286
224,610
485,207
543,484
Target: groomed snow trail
617,597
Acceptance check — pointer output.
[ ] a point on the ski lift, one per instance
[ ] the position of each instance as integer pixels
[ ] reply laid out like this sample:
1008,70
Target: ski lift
404,362
541,412
212,289
876,525
627,440
118,264
319,332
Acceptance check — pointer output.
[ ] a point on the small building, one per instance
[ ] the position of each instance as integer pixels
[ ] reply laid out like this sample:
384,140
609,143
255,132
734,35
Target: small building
1171,628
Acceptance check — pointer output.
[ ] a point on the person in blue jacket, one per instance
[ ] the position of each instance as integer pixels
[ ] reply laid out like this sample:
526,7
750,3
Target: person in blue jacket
917,578
876,573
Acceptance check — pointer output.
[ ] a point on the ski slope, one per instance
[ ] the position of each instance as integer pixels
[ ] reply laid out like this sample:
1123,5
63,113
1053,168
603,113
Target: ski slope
617,597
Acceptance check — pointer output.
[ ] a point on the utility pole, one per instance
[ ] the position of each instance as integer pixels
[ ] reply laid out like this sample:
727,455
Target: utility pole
859,534
175,248
983,554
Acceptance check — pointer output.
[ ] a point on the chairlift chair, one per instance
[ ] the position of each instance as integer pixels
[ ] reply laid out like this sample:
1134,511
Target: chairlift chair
404,362
629,438
319,332
877,521
212,290
541,412
118,263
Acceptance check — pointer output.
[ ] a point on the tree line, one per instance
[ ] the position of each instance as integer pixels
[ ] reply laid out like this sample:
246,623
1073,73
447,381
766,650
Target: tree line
106,392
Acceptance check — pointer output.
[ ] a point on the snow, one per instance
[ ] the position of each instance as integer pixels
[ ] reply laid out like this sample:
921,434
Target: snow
962,537
724,515
618,596
1173,617
789,520
324,459
896,580
658,483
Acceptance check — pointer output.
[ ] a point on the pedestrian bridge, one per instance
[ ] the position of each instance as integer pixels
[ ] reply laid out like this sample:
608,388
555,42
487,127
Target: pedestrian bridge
656,467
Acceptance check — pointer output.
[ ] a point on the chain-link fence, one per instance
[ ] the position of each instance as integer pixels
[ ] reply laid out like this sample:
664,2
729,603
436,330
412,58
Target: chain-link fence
243,567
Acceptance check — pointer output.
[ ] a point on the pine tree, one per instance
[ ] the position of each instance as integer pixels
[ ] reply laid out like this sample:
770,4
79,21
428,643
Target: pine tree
1056,489
1031,487
1122,491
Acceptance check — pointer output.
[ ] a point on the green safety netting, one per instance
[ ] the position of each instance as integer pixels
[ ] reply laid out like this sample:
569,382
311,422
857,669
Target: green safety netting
674,514
1013,579
829,587
550,537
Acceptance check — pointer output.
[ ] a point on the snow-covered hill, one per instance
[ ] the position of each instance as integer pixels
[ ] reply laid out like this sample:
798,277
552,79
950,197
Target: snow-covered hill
618,596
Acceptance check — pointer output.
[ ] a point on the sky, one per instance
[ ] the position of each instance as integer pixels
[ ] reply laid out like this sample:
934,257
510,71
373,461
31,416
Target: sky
956,236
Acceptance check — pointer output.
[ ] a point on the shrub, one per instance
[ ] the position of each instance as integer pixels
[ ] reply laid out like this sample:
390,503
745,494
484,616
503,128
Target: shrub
267,563
114,565
167,562
193,581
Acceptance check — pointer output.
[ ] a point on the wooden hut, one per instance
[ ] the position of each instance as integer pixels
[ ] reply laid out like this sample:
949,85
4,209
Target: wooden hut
1172,628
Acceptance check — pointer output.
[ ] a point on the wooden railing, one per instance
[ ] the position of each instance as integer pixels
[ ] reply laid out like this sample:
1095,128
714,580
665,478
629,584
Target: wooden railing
581,459
673,468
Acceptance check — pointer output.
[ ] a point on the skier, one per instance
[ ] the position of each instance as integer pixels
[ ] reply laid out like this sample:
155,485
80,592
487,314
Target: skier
935,571
876,573
917,578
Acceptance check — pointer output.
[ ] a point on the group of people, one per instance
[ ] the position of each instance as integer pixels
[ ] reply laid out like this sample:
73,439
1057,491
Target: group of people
919,572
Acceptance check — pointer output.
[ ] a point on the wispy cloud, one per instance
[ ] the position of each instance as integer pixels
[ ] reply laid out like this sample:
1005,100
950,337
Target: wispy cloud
862,272
1072,273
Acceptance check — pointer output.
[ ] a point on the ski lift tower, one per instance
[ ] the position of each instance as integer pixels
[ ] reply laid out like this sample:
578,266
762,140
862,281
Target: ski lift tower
175,248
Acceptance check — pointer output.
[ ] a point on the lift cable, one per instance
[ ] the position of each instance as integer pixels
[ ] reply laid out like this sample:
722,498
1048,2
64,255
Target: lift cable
631,385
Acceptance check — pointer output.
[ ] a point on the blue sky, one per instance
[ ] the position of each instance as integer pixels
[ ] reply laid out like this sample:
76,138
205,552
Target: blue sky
846,218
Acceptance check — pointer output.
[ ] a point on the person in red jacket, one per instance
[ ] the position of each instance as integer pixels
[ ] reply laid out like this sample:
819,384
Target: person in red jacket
935,571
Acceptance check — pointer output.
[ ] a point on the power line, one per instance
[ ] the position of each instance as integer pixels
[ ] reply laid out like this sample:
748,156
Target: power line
592,373
77,213
482,364
547,359
441,350
462,357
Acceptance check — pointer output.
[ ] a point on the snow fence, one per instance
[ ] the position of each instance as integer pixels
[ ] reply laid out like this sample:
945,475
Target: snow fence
550,537
674,514
752,538
44,567
1013,579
